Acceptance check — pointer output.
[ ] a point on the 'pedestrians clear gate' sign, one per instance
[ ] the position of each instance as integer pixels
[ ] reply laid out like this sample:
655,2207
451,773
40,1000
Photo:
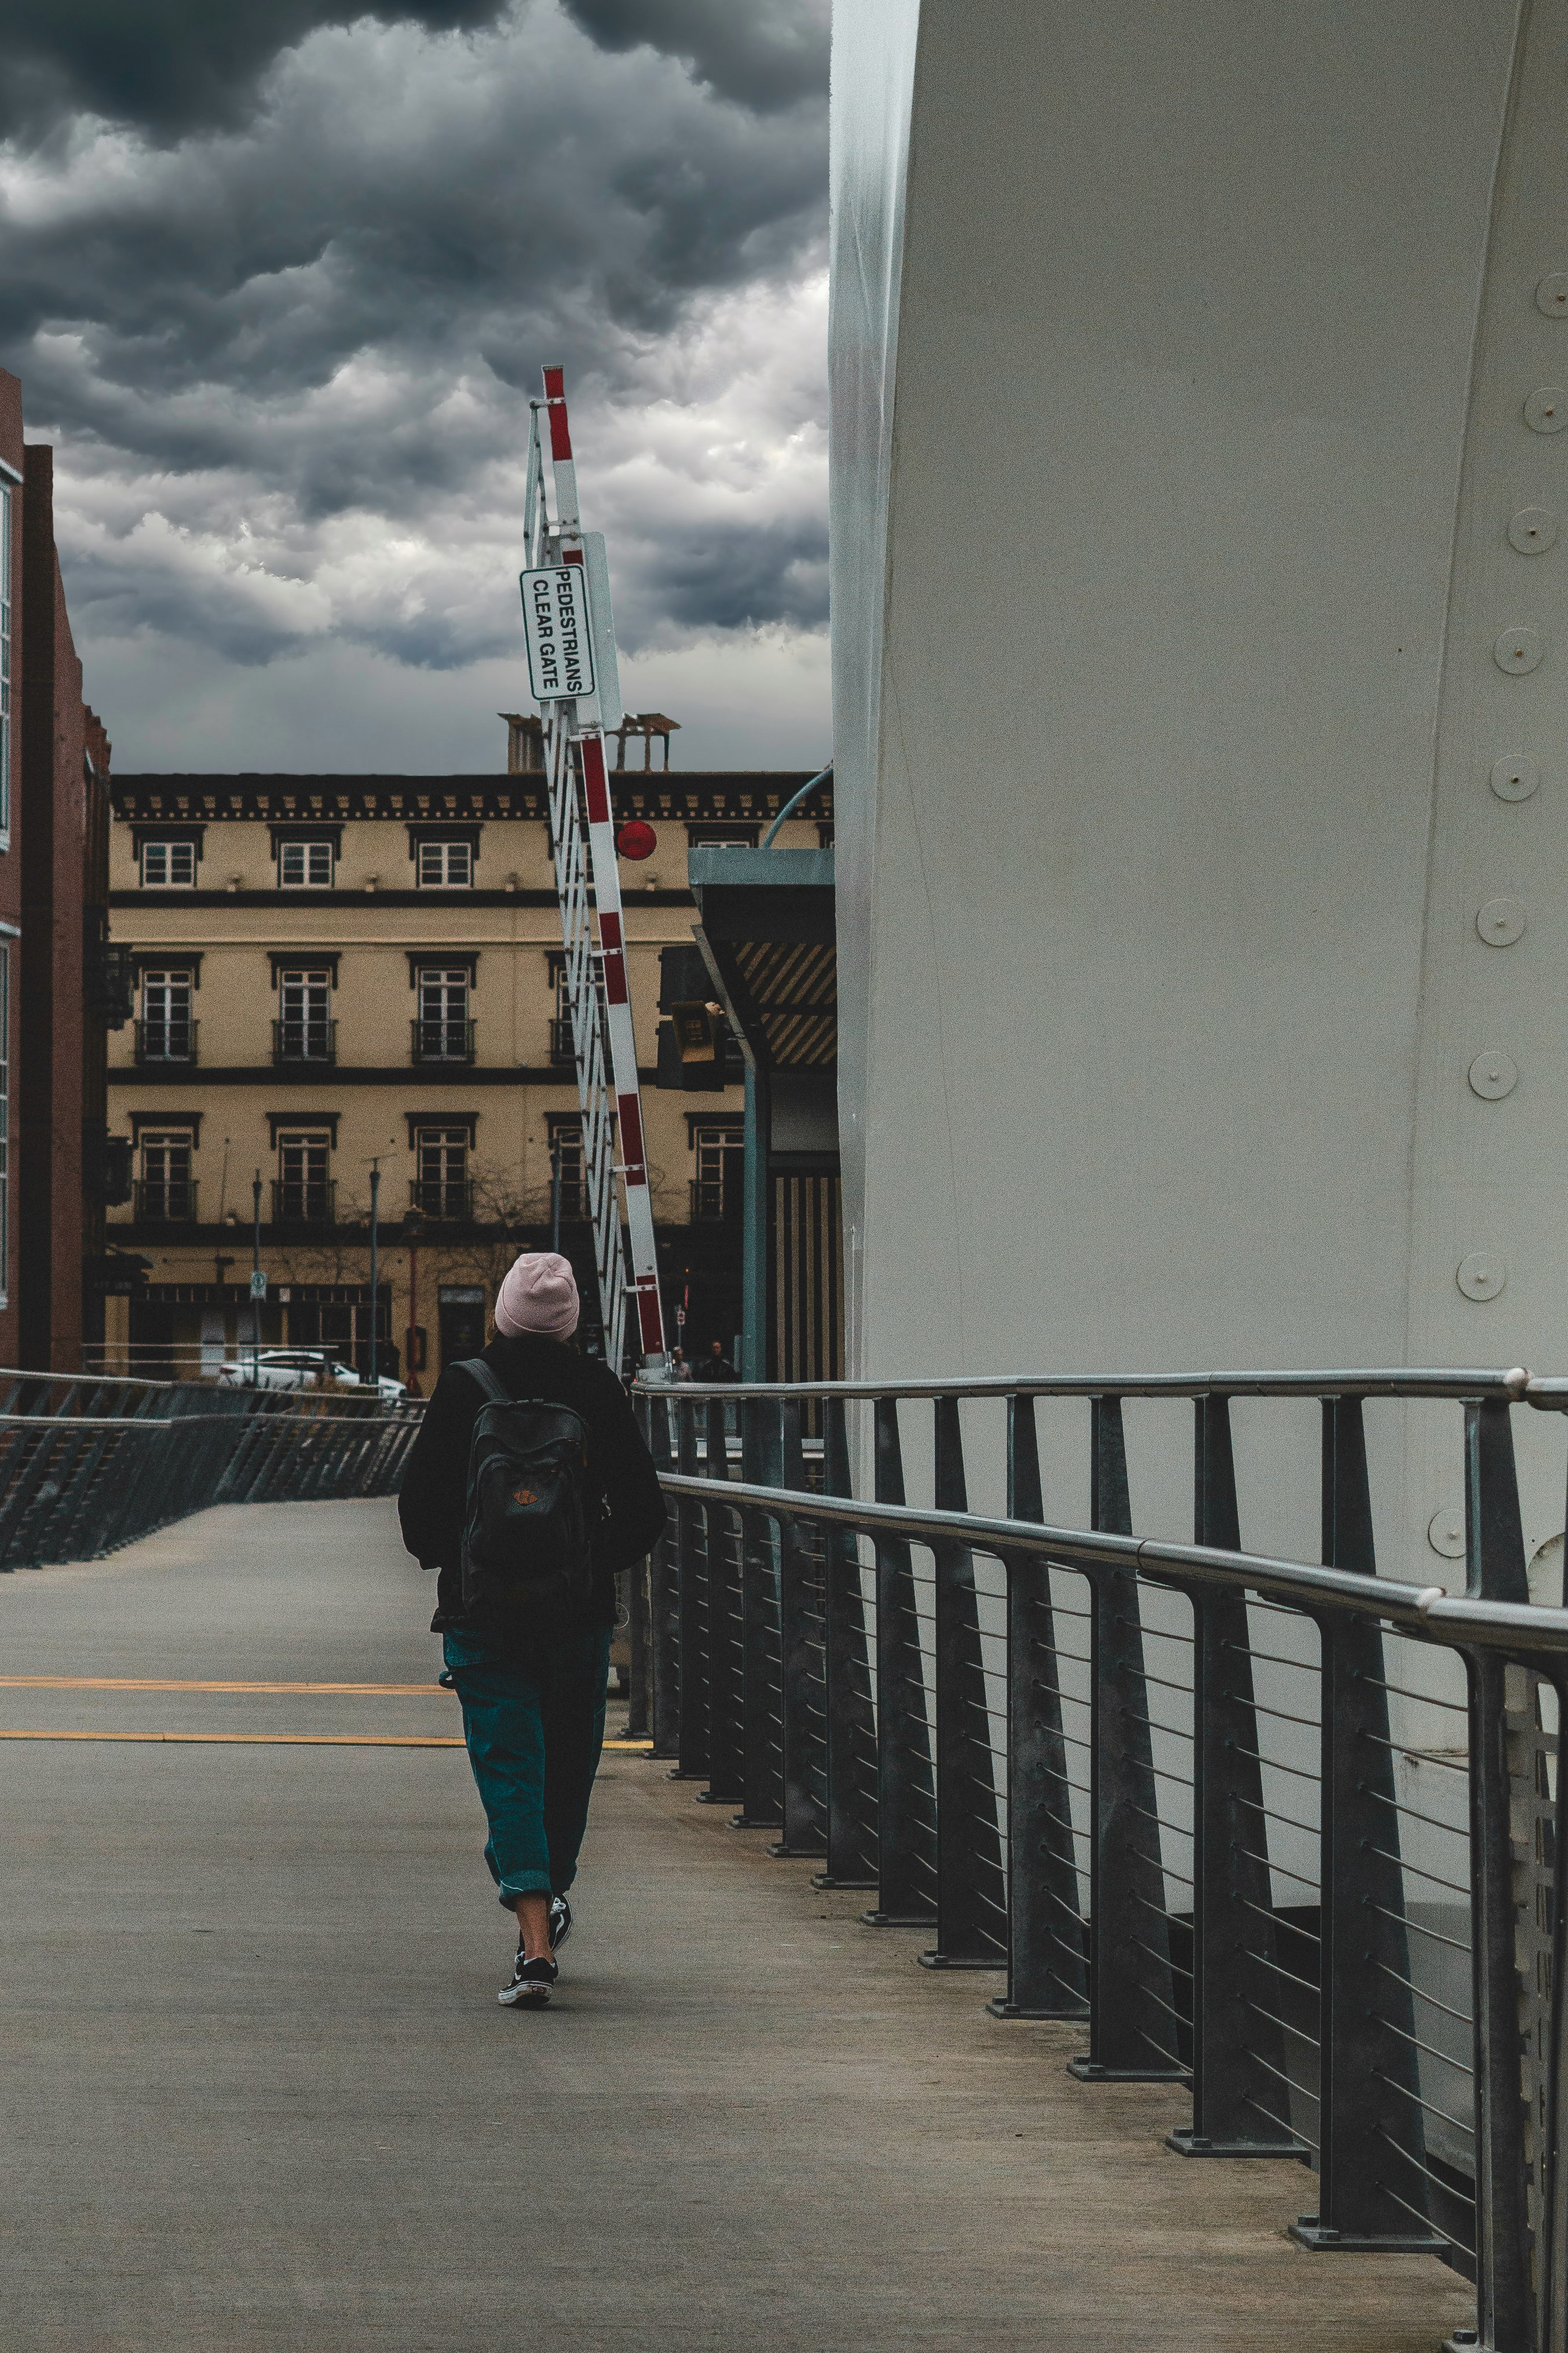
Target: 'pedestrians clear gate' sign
555,621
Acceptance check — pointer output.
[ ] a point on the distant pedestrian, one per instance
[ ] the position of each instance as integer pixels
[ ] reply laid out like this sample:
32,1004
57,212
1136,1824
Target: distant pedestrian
718,1368
680,1369
528,1488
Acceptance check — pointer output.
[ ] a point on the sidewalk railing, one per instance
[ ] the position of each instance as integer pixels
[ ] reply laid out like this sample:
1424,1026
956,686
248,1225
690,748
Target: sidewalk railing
1283,1832
88,1463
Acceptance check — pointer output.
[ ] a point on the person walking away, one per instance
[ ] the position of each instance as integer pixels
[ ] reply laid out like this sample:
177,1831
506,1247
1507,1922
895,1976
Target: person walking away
718,1368
680,1369
528,1488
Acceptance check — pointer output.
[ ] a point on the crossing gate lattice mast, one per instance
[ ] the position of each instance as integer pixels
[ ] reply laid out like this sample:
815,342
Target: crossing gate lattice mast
566,583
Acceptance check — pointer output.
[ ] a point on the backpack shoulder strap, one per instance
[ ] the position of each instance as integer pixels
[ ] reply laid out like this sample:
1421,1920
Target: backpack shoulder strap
479,1373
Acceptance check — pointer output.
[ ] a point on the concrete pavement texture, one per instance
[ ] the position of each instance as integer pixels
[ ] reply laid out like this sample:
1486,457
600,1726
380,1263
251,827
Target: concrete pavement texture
260,2097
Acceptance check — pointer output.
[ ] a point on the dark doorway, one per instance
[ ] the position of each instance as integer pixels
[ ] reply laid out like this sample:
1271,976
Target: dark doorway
461,1308
152,1353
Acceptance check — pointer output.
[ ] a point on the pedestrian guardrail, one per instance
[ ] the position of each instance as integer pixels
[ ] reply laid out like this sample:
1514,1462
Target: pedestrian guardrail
88,1462
1282,1832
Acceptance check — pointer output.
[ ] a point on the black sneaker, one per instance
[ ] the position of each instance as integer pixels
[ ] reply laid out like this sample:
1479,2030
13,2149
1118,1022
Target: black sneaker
560,1921
530,1983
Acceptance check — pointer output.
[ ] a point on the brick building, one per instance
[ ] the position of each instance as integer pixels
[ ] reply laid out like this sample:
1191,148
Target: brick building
58,986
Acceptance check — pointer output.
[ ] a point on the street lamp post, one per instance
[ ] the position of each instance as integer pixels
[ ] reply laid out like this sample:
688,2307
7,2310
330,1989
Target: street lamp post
255,1270
374,1261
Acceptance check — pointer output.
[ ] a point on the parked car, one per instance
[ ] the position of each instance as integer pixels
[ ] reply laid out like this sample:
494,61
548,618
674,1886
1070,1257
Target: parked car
302,1369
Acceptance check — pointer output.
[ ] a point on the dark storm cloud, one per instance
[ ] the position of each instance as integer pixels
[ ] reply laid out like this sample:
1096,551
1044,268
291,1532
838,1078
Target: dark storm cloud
764,57
173,64
728,578
286,357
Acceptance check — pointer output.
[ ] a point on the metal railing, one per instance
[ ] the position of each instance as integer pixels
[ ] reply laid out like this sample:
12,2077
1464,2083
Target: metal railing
715,1200
304,1201
1283,1831
304,1041
166,1200
173,1040
88,1463
441,1040
442,1200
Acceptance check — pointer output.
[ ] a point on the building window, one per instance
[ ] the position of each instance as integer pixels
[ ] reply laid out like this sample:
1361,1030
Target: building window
5,1126
166,1194
440,1189
5,668
442,1030
723,835
168,866
305,865
166,1032
720,1152
304,1030
303,1191
568,1169
562,1053
445,865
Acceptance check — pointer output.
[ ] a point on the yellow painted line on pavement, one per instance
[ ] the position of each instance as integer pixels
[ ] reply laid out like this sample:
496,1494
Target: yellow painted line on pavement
286,1739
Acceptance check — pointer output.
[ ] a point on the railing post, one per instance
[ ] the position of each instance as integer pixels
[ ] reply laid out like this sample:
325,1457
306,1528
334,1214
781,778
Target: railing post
971,1890
801,1662
1236,1985
696,1673
851,1716
664,1578
1367,2078
906,1790
1495,1571
637,1603
761,1692
1545,1847
1046,1973
726,1629
1130,1994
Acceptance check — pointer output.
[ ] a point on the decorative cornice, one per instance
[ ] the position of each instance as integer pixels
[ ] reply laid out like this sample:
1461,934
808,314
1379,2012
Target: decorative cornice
701,797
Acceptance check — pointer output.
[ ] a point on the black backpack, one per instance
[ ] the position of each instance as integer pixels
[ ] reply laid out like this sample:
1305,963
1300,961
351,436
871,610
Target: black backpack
529,1518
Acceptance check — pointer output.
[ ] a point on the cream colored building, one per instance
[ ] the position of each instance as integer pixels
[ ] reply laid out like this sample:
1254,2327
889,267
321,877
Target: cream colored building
337,975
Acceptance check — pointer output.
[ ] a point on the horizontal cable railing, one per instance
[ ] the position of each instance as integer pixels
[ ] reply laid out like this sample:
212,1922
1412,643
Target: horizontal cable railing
1283,1832
90,1462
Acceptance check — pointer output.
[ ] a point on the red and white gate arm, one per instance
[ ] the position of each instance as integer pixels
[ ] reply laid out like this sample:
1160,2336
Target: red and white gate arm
587,730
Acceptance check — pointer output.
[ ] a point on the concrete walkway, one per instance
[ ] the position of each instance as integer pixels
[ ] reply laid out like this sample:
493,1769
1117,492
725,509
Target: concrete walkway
258,2095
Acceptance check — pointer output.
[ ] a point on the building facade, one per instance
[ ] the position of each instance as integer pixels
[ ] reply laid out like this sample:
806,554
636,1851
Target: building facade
337,976
60,985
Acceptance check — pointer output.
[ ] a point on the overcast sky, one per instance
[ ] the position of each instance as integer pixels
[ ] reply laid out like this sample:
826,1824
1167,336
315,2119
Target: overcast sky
278,278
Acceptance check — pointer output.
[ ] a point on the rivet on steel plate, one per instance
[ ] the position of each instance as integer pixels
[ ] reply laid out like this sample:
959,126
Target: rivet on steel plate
1500,922
1546,410
1493,1075
1532,531
1552,295
1515,776
1519,650
1446,1533
1482,1275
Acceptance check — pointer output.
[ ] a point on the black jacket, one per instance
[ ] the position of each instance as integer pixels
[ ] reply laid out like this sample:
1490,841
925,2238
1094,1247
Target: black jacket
620,1468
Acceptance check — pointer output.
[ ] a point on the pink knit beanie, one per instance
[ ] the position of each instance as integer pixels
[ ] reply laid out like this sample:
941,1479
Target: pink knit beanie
539,1294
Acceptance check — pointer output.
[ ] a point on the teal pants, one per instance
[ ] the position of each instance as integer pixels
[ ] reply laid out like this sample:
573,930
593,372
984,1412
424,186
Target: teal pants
534,1724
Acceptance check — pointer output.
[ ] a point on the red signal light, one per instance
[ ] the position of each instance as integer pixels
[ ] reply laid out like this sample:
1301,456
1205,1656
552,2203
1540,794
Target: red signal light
636,838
